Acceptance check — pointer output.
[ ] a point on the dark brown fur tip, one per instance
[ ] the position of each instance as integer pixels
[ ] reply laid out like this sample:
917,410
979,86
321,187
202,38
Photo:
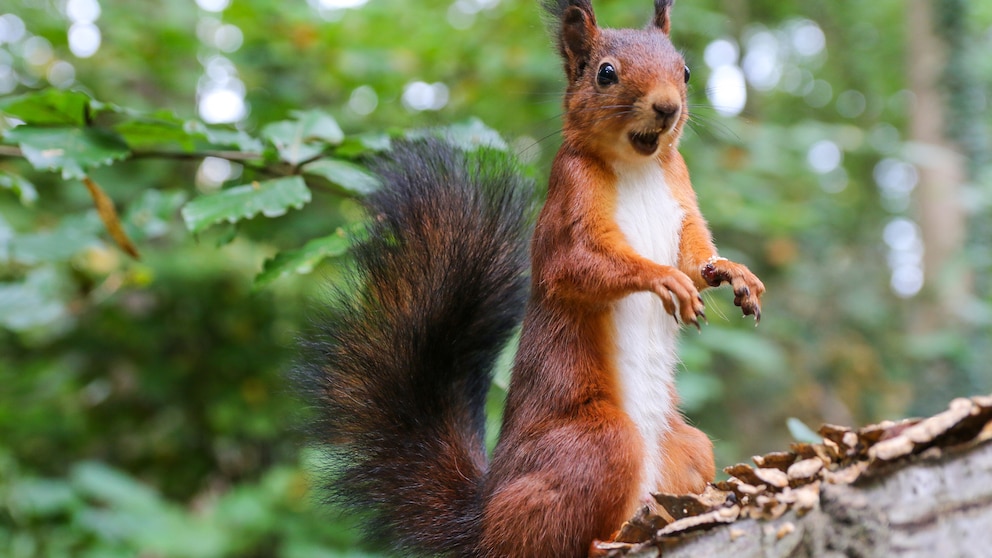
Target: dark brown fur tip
555,11
555,8
662,11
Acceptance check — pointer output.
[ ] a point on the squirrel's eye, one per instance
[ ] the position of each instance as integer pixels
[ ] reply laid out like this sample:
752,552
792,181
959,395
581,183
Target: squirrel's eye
607,75
687,74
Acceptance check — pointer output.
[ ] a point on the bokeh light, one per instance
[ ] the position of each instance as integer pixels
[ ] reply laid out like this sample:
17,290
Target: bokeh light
420,96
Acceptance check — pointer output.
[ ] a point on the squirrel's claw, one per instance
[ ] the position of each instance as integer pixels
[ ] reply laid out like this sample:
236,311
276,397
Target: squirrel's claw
700,315
752,309
679,296
747,287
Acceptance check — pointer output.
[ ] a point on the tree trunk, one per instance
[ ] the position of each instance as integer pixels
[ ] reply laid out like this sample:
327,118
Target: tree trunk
942,171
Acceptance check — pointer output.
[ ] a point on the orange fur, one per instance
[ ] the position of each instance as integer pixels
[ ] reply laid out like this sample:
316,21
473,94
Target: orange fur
567,469
690,455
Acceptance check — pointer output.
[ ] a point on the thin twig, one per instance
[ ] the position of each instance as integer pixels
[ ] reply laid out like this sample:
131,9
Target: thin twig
236,156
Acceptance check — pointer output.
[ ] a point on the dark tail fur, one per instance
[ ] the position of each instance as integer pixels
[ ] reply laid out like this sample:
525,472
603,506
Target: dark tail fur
402,364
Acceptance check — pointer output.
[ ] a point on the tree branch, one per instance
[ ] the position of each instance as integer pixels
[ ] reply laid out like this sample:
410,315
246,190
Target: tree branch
10,151
235,156
278,169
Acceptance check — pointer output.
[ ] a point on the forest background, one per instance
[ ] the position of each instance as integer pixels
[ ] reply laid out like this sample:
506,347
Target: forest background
840,149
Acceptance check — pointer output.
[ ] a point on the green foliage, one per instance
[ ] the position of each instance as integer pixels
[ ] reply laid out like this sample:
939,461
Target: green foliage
305,138
19,186
271,198
74,151
55,131
352,178
33,302
49,107
802,433
74,234
304,259
97,510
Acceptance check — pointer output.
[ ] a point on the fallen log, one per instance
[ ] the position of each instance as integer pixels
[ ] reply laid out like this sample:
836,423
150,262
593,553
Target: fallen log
914,488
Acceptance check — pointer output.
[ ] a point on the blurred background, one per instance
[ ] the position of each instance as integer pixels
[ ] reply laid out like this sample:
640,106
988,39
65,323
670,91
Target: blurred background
840,149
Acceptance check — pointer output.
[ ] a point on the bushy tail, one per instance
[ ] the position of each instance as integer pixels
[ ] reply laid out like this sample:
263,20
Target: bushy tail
401,366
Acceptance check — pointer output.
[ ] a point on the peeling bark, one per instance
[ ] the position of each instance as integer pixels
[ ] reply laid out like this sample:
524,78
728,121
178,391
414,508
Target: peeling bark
929,508
913,488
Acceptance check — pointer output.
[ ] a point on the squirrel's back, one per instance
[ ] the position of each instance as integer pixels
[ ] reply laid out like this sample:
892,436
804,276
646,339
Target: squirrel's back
399,370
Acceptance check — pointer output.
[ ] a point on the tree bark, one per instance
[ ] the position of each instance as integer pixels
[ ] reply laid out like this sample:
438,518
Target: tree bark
931,508
913,488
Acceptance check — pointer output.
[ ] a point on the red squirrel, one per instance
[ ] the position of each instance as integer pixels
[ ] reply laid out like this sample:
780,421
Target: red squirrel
401,369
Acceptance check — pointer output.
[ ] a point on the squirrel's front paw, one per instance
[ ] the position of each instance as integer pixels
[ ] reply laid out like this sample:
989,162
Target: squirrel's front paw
747,287
676,286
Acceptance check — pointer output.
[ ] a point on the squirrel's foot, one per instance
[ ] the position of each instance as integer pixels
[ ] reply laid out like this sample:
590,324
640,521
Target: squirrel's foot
690,453
675,286
747,287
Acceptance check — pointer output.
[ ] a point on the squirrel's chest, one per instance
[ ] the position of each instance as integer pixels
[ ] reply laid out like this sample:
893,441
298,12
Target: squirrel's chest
644,334
647,213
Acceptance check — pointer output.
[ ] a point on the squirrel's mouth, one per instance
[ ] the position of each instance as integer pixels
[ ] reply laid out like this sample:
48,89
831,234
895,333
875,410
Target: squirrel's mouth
644,142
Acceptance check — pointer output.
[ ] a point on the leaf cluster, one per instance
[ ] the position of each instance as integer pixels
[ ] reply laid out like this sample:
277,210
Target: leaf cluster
70,133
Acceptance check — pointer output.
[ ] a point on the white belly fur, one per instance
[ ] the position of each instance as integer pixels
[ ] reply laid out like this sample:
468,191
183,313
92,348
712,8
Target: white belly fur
645,334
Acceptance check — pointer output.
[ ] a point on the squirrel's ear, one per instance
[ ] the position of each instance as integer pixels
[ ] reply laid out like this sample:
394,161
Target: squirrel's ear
661,9
578,37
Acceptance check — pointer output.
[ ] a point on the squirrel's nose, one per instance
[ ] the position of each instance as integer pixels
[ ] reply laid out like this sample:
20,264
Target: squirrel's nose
666,113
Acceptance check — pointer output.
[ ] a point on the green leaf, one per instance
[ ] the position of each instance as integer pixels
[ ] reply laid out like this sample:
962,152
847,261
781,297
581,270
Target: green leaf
98,107
41,497
227,235
245,507
271,198
801,432
697,389
473,134
153,212
352,178
356,146
20,186
71,150
161,128
288,141
111,486
504,363
304,259
37,301
48,107
304,138
227,138
470,135
753,351
6,237
317,124
73,235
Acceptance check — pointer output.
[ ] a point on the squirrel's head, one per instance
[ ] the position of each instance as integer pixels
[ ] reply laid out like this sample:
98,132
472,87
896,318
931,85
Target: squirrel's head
626,90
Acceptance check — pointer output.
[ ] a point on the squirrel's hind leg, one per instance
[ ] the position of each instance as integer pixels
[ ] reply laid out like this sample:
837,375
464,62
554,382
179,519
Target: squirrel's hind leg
688,455
583,487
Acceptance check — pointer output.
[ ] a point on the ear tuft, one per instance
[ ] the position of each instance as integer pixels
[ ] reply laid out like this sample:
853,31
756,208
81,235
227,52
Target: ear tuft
555,8
661,11
577,37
